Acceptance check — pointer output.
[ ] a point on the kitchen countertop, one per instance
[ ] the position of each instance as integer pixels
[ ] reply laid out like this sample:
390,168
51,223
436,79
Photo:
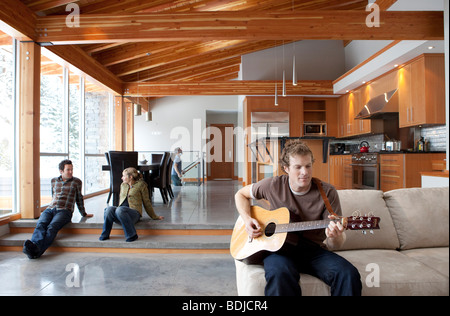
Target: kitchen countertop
393,152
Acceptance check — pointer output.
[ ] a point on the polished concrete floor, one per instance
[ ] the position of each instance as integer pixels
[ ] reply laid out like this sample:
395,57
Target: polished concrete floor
209,203
135,274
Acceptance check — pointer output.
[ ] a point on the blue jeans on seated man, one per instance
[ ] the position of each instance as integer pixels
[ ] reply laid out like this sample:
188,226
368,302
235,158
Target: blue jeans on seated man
49,224
282,270
123,215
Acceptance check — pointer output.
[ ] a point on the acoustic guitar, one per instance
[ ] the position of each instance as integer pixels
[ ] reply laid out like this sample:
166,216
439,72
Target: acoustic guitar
275,226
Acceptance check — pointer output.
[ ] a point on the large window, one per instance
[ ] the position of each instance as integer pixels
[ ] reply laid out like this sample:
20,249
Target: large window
75,124
7,123
97,115
53,124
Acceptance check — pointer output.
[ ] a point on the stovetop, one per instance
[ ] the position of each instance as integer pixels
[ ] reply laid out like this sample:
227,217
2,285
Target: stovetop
365,158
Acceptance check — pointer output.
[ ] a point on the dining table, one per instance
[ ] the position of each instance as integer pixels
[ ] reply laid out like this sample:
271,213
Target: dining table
145,169
141,167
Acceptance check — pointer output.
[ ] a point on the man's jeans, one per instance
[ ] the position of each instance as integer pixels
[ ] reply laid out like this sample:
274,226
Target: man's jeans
123,215
282,270
49,224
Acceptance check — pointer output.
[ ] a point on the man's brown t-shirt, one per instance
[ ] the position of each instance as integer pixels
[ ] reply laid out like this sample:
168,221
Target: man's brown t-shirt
303,207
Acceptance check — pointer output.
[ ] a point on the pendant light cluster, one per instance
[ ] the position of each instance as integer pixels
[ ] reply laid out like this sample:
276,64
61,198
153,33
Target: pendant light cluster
294,76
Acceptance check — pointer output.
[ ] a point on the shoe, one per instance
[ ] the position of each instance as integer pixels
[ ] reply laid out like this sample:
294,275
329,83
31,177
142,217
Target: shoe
30,249
103,238
133,238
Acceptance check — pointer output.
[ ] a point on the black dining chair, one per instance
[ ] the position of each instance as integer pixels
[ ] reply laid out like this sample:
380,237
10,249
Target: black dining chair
160,180
110,178
156,158
118,162
169,176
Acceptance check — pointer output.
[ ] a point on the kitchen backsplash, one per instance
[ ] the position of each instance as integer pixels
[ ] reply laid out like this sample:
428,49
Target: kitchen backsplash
436,135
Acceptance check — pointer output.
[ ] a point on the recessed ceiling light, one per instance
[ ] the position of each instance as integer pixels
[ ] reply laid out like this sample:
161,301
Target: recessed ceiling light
363,82
430,47
396,65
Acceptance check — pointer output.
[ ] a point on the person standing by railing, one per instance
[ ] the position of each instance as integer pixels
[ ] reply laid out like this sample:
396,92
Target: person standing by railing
177,172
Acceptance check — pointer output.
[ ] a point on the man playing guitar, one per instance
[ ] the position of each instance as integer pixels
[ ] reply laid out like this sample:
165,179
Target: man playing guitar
309,251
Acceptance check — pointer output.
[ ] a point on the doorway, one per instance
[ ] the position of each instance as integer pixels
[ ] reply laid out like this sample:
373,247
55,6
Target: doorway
220,151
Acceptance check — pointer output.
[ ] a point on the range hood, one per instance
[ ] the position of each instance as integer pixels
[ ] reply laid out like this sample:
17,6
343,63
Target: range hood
383,106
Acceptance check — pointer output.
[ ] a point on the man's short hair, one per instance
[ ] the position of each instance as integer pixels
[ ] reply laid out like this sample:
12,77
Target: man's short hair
63,163
292,148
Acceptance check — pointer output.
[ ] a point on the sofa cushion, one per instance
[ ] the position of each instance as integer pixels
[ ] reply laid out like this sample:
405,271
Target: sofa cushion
399,274
251,281
435,258
421,216
383,272
368,201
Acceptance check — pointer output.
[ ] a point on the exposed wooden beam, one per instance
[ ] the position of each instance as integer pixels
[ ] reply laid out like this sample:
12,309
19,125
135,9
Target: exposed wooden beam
199,51
201,26
159,89
17,20
82,61
166,66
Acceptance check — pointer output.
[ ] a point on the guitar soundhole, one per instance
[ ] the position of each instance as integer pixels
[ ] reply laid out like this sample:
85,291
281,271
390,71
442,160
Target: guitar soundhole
270,229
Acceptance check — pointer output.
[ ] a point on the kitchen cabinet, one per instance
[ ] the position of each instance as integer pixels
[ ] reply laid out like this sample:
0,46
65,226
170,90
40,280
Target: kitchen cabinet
349,105
399,171
340,171
422,91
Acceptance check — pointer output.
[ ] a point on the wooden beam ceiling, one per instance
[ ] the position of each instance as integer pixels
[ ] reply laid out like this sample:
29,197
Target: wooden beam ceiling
163,42
229,25
157,89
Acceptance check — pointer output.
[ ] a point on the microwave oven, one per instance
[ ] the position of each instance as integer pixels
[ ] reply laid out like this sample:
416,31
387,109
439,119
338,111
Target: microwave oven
314,129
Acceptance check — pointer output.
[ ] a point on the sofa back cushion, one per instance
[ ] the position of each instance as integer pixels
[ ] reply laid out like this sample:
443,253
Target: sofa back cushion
420,216
368,201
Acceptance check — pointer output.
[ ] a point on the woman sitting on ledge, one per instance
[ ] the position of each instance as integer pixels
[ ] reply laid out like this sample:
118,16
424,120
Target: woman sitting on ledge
133,193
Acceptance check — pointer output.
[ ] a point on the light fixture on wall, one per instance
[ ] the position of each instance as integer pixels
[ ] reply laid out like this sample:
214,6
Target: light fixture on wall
137,109
148,116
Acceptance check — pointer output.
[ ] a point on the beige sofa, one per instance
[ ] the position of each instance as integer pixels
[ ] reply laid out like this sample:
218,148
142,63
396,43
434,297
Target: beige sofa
407,256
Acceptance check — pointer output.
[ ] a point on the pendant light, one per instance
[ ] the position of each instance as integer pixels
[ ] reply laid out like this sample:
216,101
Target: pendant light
137,109
294,73
276,74
148,116
276,94
284,76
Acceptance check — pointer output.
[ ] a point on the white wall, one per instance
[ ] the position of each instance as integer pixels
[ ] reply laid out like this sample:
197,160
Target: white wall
179,121
315,60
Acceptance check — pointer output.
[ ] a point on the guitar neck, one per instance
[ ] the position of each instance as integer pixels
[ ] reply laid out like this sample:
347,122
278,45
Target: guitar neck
302,226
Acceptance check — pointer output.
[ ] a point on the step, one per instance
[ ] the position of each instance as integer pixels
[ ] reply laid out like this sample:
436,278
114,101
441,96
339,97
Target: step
142,227
145,243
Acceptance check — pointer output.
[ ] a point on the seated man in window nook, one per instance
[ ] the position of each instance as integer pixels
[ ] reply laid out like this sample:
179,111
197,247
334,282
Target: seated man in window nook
308,252
66,191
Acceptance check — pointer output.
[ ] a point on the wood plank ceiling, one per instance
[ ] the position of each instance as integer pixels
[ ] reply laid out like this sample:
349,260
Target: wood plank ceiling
179,61
143,61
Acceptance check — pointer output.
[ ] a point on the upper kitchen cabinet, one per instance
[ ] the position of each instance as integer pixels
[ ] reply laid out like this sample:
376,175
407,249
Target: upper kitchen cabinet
422,91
